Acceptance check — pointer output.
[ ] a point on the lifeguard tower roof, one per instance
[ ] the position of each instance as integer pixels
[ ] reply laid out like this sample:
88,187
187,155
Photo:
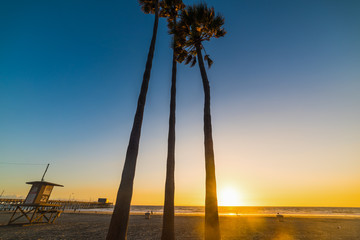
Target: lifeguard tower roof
45,183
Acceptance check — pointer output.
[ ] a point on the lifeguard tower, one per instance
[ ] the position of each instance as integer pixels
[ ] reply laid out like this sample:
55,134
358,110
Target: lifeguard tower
35,208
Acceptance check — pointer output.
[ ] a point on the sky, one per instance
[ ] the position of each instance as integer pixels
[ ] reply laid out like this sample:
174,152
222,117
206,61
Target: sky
285,100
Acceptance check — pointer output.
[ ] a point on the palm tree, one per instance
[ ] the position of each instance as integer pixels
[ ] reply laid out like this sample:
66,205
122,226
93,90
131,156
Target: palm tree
199,23
119,220
170,9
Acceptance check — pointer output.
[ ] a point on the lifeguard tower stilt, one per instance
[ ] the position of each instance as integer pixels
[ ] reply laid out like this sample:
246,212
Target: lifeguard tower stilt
36,208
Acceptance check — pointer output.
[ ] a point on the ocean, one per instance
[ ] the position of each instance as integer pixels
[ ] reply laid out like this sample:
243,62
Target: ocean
200,210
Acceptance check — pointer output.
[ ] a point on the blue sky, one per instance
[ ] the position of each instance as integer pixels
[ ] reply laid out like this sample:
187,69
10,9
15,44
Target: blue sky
285,84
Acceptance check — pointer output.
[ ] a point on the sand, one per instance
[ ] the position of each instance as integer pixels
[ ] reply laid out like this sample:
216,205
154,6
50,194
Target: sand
86,226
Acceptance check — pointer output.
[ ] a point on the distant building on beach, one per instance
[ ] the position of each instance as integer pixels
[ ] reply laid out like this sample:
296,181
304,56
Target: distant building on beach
103,200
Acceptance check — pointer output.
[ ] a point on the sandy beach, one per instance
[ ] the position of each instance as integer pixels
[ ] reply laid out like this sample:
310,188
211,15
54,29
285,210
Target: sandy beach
94,226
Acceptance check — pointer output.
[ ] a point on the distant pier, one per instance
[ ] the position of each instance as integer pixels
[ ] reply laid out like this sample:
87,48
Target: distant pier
7,204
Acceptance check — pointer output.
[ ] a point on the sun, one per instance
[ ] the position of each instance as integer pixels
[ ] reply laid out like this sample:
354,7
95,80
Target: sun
229,197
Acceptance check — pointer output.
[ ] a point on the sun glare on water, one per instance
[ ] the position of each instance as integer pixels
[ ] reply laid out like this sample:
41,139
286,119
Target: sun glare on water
229,197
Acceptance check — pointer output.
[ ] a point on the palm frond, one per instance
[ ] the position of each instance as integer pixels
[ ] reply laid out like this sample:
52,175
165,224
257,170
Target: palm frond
188,59
208,60
193,62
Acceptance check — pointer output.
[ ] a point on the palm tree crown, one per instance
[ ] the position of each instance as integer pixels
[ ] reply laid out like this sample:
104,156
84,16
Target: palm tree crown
199,23
170,9
148,6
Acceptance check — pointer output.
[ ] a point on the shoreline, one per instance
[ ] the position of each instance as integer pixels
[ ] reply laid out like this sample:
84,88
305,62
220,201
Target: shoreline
310,215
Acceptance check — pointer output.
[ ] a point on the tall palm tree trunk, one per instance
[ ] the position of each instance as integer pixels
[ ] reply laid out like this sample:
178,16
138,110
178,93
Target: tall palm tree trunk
120,217
212,229
168,231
